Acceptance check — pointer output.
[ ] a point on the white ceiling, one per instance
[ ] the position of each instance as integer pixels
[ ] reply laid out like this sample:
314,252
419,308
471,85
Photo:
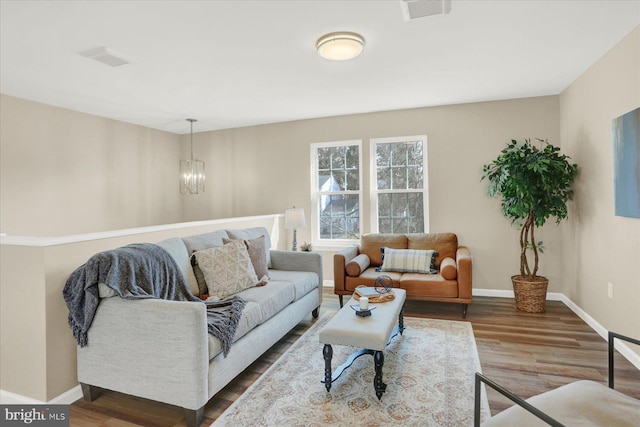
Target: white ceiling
240,63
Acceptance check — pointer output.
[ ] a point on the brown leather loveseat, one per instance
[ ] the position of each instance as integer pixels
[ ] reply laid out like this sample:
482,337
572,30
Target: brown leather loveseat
449,279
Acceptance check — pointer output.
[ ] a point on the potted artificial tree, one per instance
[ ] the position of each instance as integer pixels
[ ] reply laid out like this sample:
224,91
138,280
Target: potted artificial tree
535,183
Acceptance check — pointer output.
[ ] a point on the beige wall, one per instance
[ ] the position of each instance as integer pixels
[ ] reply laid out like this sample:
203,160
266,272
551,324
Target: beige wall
23,357
64,172
265,169
80,166
600,247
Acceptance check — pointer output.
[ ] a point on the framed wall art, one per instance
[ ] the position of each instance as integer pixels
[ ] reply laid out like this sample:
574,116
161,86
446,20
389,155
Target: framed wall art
626,164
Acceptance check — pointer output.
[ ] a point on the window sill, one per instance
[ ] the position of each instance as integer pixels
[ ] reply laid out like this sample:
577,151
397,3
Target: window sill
335,247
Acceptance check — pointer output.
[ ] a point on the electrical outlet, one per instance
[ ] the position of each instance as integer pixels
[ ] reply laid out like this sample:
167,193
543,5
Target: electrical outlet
610,290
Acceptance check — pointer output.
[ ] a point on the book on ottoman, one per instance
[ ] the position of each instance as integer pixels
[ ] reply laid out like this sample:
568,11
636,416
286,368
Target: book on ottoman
367,291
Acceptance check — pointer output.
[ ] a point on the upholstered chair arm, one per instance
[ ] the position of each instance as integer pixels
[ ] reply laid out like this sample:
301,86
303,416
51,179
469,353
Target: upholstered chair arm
464,265
298,261
340,260
152,348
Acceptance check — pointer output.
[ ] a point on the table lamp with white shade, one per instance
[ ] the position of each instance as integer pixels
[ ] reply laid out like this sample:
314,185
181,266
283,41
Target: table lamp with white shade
294,218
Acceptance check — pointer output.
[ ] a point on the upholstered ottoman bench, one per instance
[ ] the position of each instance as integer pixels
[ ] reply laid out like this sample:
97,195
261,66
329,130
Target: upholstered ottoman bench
372,334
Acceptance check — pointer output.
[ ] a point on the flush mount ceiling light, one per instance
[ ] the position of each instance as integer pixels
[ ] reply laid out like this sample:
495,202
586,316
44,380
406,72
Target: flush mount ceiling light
340,46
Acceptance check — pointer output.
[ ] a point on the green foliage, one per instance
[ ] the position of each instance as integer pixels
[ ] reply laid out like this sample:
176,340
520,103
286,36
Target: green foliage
535,185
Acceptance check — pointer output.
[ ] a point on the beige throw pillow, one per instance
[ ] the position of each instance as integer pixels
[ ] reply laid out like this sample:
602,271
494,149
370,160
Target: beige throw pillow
227,269
257,249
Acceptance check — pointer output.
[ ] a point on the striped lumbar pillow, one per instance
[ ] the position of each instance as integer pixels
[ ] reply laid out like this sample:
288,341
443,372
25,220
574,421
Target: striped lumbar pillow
408,260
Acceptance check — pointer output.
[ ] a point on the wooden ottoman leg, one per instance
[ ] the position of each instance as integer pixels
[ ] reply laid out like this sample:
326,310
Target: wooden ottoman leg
379,385
327,352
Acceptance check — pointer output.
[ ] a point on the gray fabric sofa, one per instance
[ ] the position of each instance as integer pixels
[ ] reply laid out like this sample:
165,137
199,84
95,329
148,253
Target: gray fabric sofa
160,350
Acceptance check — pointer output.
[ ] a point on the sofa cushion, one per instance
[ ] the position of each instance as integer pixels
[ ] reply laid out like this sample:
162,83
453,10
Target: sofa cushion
271,298
428,285
445,243
178,251
258,253
370,245
303,281
357,265
204,241
368,278
105,292
252,233
251,317
227,269
408,260
448,269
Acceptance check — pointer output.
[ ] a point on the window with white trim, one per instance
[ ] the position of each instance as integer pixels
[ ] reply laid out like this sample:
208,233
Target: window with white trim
336,197
399,202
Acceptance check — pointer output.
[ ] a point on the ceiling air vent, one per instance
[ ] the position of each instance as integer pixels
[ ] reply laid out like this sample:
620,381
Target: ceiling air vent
106,56
414,9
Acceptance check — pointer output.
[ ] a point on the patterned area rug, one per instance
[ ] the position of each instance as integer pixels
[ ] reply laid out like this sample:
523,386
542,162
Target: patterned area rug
429,373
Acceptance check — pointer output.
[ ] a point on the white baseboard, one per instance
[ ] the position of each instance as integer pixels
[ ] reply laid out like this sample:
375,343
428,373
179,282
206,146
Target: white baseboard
501,293
66,398
497,293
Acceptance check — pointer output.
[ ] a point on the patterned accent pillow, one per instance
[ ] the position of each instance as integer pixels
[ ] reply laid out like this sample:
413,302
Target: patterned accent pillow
257,249
408,260
227,269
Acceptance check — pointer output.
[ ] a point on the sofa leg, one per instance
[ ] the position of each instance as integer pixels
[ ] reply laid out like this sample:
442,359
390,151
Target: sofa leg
464,311
90,392
316,312
340,298
194,417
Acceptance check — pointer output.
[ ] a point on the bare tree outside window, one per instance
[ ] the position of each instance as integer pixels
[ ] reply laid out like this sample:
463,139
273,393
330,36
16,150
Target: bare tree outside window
337,172
400,186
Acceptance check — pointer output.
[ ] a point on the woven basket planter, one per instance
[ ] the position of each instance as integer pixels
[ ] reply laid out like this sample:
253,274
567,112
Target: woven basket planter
531,293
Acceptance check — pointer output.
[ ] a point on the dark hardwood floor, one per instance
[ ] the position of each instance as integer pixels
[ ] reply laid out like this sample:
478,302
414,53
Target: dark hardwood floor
526,353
